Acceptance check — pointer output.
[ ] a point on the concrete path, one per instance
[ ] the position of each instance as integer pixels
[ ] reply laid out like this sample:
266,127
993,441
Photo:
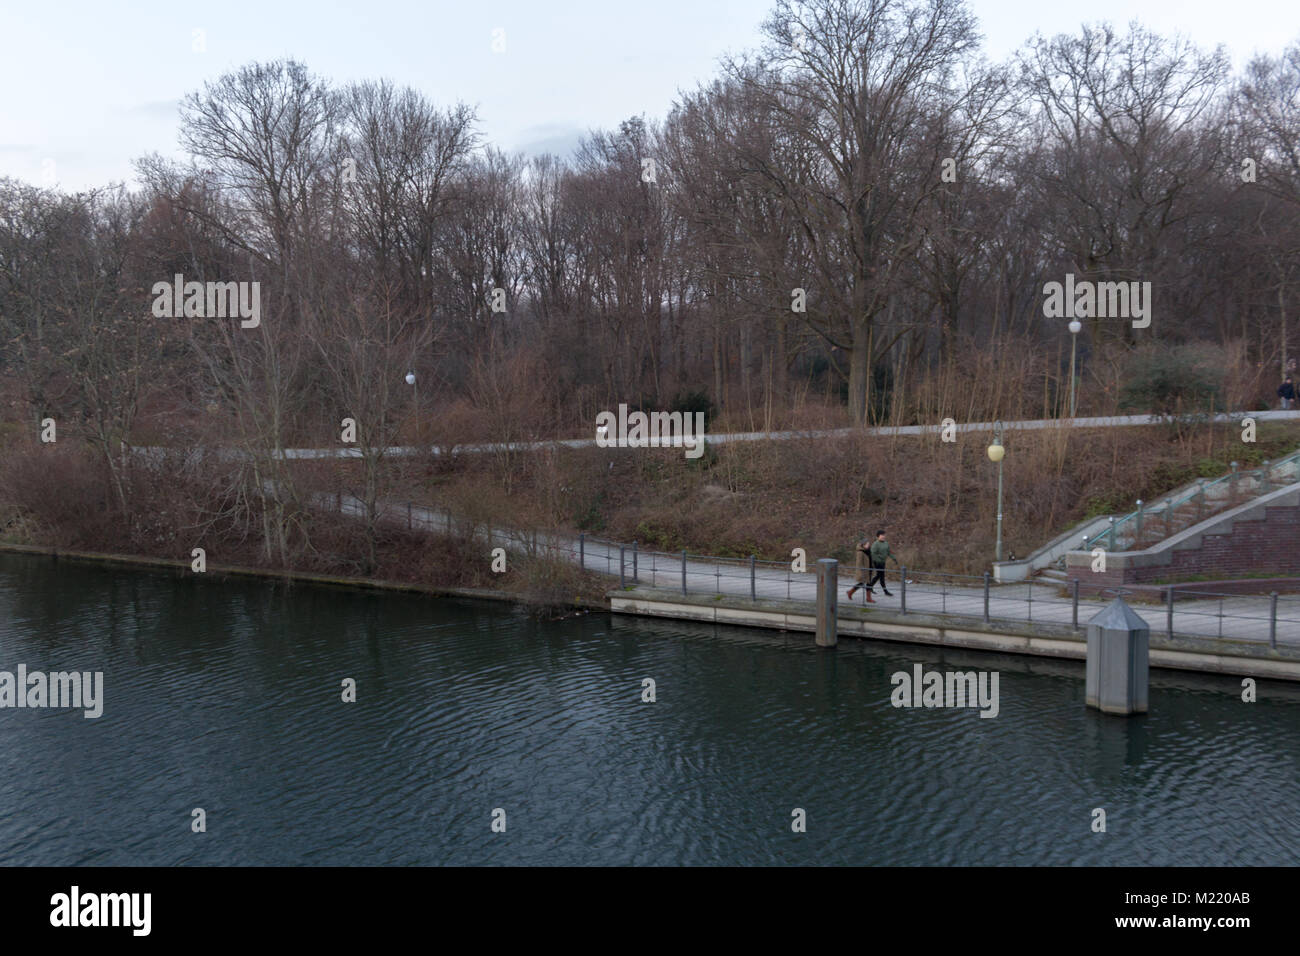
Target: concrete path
724,437
1238,617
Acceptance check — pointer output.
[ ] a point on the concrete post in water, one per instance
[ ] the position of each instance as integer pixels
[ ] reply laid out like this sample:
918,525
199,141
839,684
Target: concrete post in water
827,601
1118,660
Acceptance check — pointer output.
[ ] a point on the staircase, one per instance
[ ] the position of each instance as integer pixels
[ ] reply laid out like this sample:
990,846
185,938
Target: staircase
1152,523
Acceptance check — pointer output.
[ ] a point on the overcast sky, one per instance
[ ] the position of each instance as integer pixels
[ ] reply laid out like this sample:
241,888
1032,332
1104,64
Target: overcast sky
87,89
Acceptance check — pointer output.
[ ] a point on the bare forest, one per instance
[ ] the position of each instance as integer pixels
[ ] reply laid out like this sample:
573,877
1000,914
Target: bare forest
850,224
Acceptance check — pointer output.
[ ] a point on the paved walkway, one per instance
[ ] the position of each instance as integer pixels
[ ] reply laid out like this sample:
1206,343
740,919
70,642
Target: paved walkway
1239,617
724,437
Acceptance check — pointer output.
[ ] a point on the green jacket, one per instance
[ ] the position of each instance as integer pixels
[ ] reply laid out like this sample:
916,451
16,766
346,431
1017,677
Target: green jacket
879,551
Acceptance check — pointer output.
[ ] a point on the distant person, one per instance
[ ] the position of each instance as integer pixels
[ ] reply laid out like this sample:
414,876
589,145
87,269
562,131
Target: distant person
1286,391
862,558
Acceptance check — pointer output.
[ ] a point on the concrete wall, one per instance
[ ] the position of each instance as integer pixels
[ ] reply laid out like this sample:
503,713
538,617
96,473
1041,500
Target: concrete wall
1239,659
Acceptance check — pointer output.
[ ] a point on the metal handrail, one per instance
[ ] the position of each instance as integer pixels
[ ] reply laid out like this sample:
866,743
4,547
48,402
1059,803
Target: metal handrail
1107,538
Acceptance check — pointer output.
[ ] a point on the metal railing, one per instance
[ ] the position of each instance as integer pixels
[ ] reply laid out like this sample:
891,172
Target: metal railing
1193,612
1199,613
1128,532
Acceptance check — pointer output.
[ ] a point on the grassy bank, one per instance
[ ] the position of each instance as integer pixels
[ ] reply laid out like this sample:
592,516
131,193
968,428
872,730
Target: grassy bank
936,499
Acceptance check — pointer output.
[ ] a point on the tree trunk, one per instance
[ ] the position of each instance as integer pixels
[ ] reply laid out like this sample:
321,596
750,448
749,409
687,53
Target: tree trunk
860,371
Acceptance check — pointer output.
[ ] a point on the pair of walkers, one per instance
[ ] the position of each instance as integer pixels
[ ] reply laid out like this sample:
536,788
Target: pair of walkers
876,553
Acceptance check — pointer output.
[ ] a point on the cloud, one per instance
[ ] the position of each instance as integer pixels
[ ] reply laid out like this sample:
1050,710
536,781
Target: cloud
155,109
558,138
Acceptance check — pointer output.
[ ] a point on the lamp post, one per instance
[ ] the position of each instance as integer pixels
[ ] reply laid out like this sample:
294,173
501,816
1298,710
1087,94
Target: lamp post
1075,326
410,380
996,451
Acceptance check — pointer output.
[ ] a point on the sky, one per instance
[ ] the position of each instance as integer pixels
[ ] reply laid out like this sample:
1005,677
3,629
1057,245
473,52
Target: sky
88,88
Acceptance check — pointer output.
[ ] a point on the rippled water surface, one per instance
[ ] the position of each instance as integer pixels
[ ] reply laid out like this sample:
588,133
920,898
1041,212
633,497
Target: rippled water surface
225,695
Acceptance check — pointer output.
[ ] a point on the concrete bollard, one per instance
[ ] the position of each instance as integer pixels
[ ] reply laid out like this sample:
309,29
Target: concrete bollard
827,601
1118,660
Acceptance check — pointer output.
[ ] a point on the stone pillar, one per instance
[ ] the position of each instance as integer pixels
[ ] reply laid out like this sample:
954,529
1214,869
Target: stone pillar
827,601
1118,660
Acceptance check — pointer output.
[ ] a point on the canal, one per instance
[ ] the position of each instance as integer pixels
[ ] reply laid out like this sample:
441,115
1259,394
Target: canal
226,695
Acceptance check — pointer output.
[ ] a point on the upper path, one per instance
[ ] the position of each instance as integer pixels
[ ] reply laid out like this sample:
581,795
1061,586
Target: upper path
1117,421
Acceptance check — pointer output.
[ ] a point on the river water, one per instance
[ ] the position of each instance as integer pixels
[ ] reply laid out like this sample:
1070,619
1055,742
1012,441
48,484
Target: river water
226,695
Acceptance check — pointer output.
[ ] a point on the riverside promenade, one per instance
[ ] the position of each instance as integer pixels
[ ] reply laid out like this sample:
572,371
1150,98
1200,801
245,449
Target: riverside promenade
761,593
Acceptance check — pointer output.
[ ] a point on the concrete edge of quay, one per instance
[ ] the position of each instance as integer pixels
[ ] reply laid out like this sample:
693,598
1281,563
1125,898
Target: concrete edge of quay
1206,655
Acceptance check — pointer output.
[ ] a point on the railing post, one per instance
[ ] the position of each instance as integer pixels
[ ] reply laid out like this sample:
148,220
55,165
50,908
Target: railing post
683,572
1200,501
1169,516
903,587
1074,618
1264,477
408,516
1169,613
1232,485
753,584
1137,540
1272,620
622,579
636,579
582,550
986,597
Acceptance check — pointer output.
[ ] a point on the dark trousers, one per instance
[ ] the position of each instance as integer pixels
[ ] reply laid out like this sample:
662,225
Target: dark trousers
878,575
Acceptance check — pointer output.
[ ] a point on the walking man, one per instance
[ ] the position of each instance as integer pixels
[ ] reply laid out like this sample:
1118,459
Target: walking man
880,553
1286,391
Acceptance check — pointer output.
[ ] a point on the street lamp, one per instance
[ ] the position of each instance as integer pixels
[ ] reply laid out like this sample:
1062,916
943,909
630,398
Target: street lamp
996,452
1075,326
410,380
